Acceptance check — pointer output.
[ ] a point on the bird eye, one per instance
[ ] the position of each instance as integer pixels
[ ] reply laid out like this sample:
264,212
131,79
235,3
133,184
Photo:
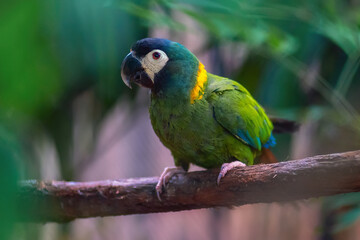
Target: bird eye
156,55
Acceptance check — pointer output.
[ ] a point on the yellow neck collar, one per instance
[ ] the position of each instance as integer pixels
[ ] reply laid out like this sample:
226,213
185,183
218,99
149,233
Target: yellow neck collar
198,90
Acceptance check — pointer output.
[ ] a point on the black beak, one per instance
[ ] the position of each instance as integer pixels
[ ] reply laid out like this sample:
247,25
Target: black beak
132,71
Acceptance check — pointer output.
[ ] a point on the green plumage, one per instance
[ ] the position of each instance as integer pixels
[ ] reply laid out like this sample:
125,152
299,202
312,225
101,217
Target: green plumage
205,132
224,124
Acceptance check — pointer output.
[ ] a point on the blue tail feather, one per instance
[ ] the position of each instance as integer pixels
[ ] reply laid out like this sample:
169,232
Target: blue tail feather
270,143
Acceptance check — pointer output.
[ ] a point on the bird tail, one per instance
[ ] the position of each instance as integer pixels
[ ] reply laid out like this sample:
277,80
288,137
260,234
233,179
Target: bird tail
267,156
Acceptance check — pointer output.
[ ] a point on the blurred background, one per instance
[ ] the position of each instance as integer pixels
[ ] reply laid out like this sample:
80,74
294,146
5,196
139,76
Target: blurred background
65,113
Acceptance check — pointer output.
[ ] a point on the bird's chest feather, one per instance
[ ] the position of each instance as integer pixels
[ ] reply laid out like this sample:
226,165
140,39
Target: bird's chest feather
181,126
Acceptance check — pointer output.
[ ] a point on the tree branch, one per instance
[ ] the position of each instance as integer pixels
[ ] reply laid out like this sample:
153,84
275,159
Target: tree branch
286,181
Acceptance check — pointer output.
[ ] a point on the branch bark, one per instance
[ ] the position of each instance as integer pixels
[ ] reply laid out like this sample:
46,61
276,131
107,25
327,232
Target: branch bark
317,176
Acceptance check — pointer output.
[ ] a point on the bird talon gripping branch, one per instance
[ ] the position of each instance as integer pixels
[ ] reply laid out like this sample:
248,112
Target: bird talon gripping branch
166,175
227,167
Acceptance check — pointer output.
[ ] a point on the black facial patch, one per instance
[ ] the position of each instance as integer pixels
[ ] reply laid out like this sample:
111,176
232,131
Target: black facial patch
146,45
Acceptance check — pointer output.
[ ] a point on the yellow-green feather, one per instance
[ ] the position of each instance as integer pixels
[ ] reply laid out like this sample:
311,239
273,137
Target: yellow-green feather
205,130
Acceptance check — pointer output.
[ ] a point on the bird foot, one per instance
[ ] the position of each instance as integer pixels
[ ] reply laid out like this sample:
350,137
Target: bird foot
166,175
226,167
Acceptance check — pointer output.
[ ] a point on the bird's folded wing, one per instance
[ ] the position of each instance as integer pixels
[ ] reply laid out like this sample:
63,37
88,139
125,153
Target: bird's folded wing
236,111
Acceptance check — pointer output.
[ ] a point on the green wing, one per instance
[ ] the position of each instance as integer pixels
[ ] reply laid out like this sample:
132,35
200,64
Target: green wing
238,112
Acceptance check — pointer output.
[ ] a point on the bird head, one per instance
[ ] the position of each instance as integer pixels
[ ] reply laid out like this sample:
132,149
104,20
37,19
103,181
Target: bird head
159,64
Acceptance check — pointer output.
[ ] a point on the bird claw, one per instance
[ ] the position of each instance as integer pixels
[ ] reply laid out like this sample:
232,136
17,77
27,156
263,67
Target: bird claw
158,189
166,175
226,167
158,192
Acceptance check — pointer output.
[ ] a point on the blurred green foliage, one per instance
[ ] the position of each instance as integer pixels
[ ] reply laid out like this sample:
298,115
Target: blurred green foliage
29,77
292,36
9,156
302,63
54,51
51,53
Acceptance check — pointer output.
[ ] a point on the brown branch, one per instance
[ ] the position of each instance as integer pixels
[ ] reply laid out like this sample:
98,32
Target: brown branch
293,180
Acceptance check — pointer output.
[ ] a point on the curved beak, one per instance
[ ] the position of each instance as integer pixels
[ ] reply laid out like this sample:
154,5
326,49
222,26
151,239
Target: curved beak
132,71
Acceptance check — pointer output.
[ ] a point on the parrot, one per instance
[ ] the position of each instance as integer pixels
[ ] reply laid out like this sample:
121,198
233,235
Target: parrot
203,119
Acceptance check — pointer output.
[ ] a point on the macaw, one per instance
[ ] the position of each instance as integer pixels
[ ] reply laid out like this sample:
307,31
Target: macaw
204,119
